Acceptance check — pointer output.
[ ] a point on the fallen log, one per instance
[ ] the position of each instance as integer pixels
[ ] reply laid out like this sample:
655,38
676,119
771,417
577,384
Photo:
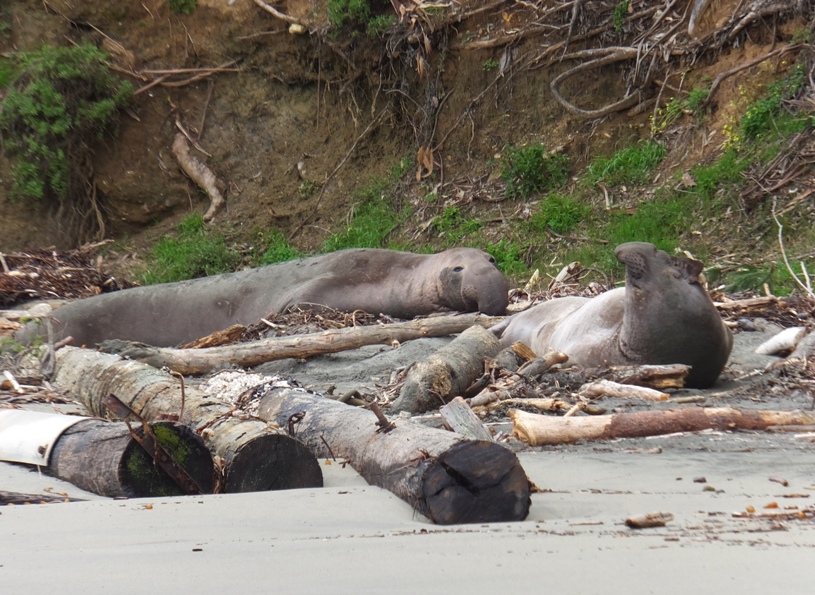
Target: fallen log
107,458
448,372
256,457
607,388
458,416
7,498
443,475
538,430
246,355
654,376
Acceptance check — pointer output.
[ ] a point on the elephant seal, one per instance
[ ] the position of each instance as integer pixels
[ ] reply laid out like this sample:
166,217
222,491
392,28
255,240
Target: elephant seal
399,284
662,316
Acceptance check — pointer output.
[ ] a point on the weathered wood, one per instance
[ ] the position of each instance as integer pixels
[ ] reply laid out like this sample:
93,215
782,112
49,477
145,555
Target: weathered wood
537,429
443,475
654,376
448,372
22,498
256,456
104,458
461,419
607,388
201,361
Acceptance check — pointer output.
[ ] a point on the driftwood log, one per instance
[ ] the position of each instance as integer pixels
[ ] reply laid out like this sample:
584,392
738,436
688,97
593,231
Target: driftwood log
255,456
202,361
22,498
537,429
443,475
448,372
104,458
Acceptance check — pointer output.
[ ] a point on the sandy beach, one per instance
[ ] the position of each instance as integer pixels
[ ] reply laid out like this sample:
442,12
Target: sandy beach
350,537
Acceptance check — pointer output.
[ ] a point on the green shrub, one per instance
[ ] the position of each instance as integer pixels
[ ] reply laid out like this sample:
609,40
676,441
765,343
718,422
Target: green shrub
371,224
620,12
63,98
767,114
726,170
530,169
453,226
278,248
658,222
632,165
509,256
560,213
351,12
193,253
182,6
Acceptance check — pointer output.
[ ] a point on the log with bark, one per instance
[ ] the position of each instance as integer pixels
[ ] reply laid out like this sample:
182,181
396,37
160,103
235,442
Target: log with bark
202,361
105,458
538,430
443,475
448,372
255,456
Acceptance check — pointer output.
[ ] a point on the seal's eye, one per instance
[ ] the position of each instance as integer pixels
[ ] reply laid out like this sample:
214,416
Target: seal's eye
458,269
492,260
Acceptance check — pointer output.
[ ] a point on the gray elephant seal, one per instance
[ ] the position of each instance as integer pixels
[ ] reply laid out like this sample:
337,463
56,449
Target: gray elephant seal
400,284
662,316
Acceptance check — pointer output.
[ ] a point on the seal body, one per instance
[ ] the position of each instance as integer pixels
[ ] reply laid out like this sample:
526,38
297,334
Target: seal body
662,316
399,284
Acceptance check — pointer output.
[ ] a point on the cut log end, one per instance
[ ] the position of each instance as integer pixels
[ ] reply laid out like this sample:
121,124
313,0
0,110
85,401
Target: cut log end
476,482
273,462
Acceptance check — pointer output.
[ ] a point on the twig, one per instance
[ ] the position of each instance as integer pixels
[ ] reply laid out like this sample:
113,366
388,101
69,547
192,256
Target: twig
276,13
805,286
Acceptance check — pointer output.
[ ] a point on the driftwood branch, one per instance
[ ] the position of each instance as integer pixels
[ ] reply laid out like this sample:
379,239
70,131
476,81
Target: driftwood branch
537,429
201,361
200,174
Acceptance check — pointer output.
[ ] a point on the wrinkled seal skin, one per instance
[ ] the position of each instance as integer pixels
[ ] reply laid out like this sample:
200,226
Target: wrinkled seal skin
662,316
400,284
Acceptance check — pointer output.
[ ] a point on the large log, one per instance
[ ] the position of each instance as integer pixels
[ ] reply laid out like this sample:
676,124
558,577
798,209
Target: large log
448,372
538,430
202,361
104,458
256,456
443,475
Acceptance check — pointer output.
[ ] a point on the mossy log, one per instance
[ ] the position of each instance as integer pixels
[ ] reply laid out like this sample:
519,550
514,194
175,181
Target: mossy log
448,478
104,458
256,456
448,372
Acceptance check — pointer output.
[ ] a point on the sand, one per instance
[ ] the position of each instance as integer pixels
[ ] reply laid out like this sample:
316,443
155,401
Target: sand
350,537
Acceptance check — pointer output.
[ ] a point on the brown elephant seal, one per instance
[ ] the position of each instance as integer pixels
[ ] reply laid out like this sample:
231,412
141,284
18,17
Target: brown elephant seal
662,316
399,284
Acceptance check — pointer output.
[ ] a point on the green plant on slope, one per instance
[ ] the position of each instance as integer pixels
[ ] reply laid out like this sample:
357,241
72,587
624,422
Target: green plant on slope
558,212
527,170
193,253
278,248
631,165
63,98
182,6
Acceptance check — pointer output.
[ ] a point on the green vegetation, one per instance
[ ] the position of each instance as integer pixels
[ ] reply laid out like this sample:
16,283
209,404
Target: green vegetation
490,64
620,12
558,212
767,116
527,170
63,98
677,106
348,12
278,248
453,227
632,165
182,6
379,25
193,253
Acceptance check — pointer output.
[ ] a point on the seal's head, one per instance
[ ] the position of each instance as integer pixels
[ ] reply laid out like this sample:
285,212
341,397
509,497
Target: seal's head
669,317
470,281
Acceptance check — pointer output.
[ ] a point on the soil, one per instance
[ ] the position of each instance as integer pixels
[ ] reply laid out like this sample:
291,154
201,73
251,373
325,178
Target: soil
289,112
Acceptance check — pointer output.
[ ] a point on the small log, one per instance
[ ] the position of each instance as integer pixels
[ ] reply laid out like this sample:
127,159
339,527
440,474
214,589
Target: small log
651,519
104,458
256,457
222,337
461,419
543,404
654,376
448,372
246,355
443,475
607,388
7,498
784,342
537,429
